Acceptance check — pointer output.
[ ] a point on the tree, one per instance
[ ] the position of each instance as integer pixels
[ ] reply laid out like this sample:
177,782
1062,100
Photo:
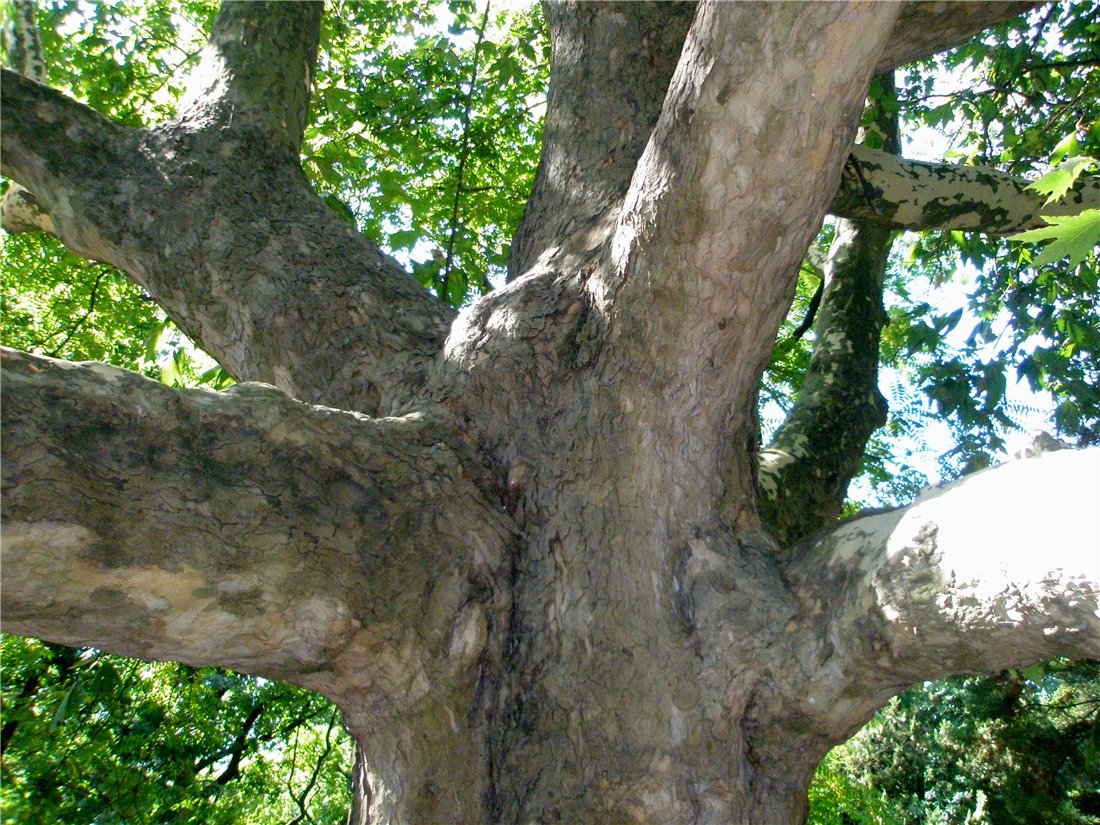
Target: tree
530,549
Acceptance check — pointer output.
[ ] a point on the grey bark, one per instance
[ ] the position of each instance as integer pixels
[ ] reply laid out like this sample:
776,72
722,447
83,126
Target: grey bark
611,64
544,591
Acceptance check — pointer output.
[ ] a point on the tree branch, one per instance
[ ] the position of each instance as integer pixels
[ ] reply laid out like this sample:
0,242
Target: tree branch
925,28
602,106
998,570
19,211
909,194
257,69
66,154
688,284
804,474
223,230
241,529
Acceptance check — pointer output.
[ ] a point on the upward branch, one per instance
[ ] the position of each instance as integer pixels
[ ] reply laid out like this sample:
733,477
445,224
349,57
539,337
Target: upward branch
213,216
702,256
610,70
257,69
805,472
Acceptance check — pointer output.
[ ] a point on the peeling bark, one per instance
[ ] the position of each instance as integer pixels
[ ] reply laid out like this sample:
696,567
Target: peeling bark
909,194
804,473
543,593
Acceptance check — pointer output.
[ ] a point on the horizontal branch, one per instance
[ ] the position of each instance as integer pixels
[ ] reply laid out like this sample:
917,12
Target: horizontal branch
1000,569
881,188
242,529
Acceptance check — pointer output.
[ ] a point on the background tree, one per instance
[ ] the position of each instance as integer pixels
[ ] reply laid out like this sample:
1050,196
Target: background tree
588,582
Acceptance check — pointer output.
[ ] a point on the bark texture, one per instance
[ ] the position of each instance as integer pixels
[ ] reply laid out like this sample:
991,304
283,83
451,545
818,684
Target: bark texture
522,548
803,474
880,188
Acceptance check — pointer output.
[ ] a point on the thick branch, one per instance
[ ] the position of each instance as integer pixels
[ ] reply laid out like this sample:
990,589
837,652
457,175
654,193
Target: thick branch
883,189
257,69
223,230
241,529
713,228
66,153
925,28
804,474
610,70
1000,569
805,471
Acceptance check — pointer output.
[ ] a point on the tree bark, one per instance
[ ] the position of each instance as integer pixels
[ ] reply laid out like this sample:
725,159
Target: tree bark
883,189
542,589
804,473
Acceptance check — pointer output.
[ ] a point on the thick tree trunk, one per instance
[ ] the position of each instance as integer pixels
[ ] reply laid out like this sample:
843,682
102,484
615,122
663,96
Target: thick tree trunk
544,592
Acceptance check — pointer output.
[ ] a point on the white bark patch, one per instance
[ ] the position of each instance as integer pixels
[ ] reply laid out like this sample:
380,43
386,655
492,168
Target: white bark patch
1013,530
469,634
66,538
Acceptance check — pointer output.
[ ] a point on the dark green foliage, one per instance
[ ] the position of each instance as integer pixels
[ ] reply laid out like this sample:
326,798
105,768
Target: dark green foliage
1028,94
91,738
838,799
1024,747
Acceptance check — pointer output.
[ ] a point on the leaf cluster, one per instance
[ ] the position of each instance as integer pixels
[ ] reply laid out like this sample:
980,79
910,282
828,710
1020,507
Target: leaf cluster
1022,746
426,131
93,738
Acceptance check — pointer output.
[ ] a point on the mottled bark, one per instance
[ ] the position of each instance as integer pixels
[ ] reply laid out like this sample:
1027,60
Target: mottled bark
354,556
543,593
968,579
883,189
804,473
805,470
243,528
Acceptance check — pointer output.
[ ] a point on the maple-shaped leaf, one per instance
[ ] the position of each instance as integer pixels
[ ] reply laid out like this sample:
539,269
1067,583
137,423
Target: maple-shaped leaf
1075,235
1055,184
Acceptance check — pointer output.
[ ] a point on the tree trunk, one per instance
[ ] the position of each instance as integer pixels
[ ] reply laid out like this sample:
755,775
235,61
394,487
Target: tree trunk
538,580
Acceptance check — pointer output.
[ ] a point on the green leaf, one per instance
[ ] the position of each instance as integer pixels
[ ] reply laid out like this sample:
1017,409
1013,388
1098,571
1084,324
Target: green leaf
1075,236
1056,184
